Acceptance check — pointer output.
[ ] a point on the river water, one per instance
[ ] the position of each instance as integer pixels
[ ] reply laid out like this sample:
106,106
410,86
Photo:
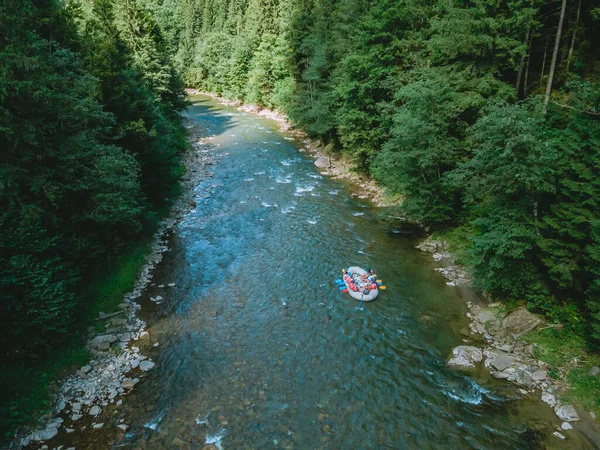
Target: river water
260,349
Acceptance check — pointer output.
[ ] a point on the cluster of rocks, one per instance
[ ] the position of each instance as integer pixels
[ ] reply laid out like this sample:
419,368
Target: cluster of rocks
500,349
510,358
454,273
118,362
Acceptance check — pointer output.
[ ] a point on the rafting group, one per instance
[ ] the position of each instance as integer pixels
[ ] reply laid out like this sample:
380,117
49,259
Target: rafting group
361,284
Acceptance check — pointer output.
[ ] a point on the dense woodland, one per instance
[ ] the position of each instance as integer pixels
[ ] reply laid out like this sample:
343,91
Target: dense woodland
90,138
483,115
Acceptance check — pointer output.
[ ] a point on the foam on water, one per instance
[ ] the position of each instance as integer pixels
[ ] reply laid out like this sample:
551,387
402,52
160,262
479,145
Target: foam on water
217,438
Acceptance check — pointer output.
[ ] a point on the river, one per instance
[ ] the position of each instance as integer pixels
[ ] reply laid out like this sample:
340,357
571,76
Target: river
258,348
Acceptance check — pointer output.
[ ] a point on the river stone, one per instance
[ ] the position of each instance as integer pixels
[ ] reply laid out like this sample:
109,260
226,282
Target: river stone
122,426
558,435
118,322
85,369
135,363
549,399
539,375
128,383
594,371
323,162
76,417
566,413
502,361
97,426
44,435
465,357
146,366
524,378
566,426
95,410
520,321
103,342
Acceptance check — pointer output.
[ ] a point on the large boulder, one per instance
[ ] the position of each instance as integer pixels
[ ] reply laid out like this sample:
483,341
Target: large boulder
520,321
567,413
103,342
465,357
323,162
44,435
499,360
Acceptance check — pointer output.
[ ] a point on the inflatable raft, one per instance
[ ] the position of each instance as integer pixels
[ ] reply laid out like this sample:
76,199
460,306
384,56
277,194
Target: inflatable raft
358,295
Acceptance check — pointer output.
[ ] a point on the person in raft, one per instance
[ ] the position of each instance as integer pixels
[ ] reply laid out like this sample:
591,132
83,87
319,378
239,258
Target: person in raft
348,279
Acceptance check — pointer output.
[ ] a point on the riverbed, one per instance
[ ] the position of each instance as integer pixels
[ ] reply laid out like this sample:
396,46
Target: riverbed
257,346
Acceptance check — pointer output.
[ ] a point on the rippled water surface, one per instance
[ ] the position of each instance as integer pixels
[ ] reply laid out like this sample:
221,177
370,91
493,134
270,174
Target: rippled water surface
259,349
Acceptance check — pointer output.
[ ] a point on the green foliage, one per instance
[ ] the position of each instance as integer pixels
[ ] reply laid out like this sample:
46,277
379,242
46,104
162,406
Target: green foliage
90,138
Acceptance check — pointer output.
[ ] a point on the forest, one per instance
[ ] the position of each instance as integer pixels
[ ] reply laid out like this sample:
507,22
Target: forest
90,138
484,116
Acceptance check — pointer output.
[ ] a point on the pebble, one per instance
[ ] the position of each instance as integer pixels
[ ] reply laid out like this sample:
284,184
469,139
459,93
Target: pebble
558,435
171,284
76,417
95,410
566,426
97,426
123,427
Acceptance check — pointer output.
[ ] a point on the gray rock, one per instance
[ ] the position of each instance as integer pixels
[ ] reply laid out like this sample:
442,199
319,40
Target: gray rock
69,430
323,162
539,375
128,383
549,399
135,363
520,321
123,427
558,435
103,342
86,369
97,426
566,413
146,366
594,371
118,322
46,434
76,417
524,378
500,375
95,410
465,357
566,426
501,361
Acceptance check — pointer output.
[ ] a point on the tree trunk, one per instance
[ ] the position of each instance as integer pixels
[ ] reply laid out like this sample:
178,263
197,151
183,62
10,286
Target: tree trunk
573,37
555,54
526,81
522,63
544,63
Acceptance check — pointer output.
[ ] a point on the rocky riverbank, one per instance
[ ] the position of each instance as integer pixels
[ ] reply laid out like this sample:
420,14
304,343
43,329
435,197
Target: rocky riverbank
496,342
330,163
89,398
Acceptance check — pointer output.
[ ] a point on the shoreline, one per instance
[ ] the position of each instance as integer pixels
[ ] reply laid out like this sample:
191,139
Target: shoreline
89,397
333,165
497,340
494,339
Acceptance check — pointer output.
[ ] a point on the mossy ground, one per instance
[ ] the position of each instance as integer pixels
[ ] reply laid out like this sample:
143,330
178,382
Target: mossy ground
571,361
